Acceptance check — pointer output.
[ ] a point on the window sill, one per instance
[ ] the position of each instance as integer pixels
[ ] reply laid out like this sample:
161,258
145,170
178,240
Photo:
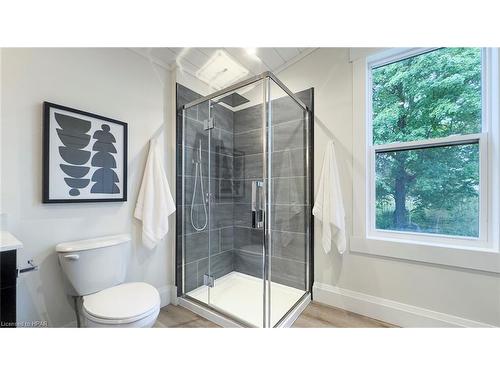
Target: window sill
481,259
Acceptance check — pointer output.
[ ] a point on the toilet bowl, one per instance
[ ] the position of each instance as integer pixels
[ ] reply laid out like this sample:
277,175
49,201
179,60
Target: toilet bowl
95,270
127,305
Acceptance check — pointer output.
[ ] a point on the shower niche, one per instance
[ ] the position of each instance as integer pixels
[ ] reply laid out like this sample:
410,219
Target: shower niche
244,193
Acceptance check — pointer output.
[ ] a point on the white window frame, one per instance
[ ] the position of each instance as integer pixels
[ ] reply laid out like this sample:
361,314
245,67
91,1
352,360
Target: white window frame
477,253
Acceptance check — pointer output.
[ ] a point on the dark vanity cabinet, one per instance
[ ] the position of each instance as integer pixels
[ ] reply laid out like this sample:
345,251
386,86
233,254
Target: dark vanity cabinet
8,277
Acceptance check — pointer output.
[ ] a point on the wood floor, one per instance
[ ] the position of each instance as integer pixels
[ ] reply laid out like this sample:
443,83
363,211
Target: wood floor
172,316
315,315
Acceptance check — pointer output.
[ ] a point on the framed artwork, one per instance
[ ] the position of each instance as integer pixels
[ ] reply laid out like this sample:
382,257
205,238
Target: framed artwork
84,156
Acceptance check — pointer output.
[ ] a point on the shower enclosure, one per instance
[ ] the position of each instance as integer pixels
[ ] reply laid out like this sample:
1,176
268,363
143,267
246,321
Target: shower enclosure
244,193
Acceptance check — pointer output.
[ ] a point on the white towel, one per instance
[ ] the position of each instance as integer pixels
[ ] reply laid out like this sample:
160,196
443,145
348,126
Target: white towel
155,202
329,206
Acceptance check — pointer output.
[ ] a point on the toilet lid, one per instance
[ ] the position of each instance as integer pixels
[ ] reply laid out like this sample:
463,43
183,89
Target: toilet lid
123,301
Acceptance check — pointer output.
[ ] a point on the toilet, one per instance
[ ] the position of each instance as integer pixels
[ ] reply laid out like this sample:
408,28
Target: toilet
95,270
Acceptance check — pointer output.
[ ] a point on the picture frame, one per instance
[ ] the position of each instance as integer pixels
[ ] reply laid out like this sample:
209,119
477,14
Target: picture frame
84,156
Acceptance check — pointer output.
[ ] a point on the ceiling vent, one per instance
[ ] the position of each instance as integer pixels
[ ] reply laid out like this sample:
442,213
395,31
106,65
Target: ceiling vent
221,71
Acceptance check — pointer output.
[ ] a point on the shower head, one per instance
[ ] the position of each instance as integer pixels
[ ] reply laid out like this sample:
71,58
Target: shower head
234,99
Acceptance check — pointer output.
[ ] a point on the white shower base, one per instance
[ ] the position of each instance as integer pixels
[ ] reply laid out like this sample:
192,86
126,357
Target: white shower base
241,295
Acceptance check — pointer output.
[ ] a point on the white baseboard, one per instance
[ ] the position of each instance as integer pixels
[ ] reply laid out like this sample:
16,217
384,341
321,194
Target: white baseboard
174,300
166,293
389,311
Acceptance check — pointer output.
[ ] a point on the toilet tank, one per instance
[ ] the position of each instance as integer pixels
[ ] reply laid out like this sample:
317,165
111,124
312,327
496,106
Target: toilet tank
94,264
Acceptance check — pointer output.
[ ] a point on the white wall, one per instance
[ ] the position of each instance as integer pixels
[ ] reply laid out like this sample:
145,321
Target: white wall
464,293
115,83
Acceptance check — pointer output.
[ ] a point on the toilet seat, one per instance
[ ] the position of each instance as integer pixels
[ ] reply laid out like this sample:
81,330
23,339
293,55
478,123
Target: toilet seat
122,304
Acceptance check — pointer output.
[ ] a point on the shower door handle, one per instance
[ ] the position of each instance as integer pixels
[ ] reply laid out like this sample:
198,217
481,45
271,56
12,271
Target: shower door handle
257,213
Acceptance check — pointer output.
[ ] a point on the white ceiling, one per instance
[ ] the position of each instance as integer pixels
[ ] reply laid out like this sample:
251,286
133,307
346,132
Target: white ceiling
191,60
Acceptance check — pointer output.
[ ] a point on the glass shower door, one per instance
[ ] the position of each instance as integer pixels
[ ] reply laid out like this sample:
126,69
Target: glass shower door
196,139
287,235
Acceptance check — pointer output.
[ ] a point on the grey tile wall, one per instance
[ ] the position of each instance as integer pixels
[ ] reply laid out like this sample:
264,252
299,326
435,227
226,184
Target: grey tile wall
290,190
289,245
248,239
248,263
248,119
291,208
289,135
249,142
248,166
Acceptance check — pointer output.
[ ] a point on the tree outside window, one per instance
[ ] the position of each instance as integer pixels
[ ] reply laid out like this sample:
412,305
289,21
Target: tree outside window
435,187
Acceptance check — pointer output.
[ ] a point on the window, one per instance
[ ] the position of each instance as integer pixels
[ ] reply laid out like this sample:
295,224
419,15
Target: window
428,143
426,156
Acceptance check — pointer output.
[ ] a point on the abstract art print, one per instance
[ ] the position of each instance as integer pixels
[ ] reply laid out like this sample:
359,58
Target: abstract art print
84,156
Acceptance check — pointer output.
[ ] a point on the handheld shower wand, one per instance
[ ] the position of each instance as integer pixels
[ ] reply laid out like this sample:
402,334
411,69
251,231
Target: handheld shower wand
198,171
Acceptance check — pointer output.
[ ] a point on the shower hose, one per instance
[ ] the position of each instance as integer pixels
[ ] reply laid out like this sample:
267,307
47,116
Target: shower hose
199,172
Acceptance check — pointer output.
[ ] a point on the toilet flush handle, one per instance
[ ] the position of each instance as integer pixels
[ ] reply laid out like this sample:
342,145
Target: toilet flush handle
72,256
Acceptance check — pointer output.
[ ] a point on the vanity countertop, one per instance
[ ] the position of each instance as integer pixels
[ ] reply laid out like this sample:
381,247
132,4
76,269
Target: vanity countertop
9,242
